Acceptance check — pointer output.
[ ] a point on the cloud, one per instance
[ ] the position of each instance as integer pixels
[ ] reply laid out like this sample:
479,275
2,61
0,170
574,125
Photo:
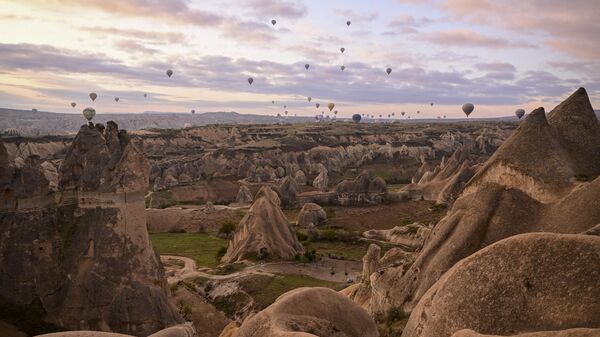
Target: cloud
496,67
138,34
277,8
357,18
406,24
134,47
466,38
568,26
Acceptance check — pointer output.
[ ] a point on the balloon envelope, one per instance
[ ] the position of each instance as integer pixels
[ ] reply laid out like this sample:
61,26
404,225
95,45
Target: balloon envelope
93,96
348,23
468,108
307,66
273,22
520,113
356,118
317,105
343,68
388,71
331,106
169,72
309,99
116,99
250,80
73,104
89,113
145,95
342,50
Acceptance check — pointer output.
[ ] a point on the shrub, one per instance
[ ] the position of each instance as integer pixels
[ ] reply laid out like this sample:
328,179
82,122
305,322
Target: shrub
221,252
227,228
173,287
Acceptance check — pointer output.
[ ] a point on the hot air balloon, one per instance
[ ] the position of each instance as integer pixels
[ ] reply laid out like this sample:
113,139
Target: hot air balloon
418,112
431,104
348,23
343,68
322,112
117,99
520,113
193,111
444,116
273,22
169,72
403,113
307,66
468,108
335,112
356,118
145,95
317,105
93,96
272,102
89,113
250,80
342,50
331,106
388,71
379,116
285,106
309,99
73,104
393,114
286,112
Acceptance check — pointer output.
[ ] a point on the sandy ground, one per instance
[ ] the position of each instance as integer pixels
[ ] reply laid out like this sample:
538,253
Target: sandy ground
321,270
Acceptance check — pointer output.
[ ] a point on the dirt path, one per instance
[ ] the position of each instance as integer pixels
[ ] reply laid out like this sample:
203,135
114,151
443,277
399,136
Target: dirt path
322,270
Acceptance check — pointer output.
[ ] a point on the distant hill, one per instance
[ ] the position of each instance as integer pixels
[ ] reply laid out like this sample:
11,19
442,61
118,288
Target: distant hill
40,123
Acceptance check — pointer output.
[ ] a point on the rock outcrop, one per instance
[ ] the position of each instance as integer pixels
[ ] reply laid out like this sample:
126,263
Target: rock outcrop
244,195
562,333
288,192
300,178
264,232
321,182
529,282
81,257
311,215
411,236
310,312
364,189
530,184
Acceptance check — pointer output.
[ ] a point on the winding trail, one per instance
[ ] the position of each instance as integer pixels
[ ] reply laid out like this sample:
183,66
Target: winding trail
320,270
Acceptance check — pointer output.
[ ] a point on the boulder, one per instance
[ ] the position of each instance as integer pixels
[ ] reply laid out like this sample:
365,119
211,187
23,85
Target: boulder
300,178
244,196
528,282
412,236
364,189
264,232
310,312
288,192
311,215
321,182
562,333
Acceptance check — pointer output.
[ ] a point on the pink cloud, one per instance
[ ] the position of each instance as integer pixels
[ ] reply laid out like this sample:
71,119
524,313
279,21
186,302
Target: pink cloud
468,38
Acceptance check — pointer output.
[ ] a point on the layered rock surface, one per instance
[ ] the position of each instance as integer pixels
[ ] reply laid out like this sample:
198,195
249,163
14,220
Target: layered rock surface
264,231
309,312
364,189
81,256
526,283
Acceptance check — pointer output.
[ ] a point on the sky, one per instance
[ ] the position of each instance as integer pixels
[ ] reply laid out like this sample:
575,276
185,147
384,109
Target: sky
497,54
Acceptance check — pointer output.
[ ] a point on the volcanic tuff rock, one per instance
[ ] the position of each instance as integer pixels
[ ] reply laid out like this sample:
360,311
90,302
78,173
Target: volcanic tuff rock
244,195
288,192
300,178
363,189
412,235
264,231
529,185
321,182
562,333
311,215
310,312
528,282
81,256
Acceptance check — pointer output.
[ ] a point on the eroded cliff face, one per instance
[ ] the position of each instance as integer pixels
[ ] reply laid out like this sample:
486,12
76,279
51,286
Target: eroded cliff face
81,255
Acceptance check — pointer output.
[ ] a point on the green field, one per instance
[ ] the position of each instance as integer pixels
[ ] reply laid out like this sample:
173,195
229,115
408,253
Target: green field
201,247
265,289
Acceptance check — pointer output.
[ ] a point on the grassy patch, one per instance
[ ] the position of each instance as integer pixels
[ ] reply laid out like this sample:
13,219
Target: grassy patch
201,247
265,289
348,251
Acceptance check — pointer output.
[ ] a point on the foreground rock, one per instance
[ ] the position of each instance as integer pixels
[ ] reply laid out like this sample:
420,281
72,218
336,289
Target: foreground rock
311,215
412,236
364,189
563,333
264,232
529,282
309,312
81,257
182,330
535,182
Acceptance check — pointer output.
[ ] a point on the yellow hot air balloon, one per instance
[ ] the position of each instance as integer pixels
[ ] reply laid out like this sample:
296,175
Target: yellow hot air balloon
331,106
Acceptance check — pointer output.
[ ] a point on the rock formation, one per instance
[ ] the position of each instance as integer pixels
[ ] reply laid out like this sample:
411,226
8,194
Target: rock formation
264,232
309,312
82,256
364,189
181,330
562,333
411,236
300,178
529,282
311,215
244,195
288,192
444,182
321,182
531,184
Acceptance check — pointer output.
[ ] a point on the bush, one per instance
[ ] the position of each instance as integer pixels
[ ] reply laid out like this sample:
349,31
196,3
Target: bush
221,252
227,228
176,230
173,287
328,234
301,236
